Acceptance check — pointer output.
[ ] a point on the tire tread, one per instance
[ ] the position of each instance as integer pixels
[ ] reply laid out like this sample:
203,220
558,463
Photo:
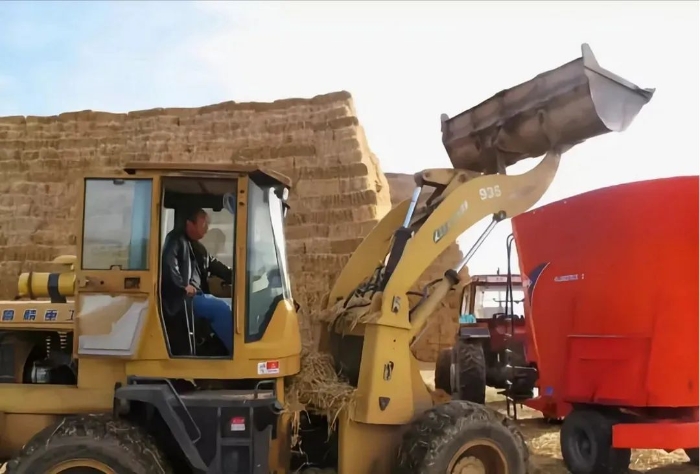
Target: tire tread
99,433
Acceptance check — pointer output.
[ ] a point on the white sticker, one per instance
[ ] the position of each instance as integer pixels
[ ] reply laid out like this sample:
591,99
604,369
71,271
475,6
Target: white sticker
269,367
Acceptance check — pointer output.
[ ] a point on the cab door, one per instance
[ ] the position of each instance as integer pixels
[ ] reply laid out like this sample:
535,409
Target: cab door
115,282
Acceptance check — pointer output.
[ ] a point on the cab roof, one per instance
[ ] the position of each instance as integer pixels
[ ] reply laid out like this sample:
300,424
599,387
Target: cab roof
213,168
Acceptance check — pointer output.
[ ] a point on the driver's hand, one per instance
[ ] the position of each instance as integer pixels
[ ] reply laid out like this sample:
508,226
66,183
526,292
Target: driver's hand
190,290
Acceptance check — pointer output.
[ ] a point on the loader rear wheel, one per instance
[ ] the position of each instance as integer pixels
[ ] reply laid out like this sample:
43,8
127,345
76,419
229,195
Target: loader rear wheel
586,444
443,367
470,370
461,437
90,445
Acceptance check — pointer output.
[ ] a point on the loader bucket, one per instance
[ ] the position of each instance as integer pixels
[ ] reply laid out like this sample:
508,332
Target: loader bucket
558,108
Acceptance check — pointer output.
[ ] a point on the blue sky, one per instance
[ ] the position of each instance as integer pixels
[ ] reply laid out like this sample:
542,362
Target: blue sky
63,56
404,62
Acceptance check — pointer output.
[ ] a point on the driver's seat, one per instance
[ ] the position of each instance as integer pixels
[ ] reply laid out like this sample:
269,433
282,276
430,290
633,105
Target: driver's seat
191,336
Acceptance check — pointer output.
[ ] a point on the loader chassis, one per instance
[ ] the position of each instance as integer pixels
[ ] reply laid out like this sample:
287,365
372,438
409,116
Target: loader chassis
99,374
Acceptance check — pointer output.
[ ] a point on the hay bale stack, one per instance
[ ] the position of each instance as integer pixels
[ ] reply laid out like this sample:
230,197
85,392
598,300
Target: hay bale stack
443,326
339,190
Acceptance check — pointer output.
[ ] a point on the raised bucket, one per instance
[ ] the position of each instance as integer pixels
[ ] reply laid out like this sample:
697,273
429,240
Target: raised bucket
557,108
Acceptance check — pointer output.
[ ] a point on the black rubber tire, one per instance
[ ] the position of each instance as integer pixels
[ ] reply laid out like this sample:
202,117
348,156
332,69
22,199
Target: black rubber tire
692,453
588,427
470,365
431,441
125,448
443,365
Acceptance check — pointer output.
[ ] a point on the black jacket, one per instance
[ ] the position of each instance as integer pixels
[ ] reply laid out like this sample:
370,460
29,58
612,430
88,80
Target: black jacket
186,262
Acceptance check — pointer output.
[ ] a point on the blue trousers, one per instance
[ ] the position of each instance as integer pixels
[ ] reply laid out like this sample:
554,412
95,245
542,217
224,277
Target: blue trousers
218,313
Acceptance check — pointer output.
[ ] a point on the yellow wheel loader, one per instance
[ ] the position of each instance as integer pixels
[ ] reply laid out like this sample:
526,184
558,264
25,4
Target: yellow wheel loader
103,371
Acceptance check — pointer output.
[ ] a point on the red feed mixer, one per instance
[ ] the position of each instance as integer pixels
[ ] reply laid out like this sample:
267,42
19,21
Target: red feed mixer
611,300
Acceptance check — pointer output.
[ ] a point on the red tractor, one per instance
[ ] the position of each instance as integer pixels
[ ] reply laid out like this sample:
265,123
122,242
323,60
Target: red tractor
489,342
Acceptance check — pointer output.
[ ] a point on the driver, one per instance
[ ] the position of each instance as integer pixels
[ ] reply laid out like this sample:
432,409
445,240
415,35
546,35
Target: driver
186,266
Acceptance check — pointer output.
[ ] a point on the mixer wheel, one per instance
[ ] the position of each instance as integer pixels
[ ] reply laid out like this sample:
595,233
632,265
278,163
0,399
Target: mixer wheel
586,444
470,370
692,453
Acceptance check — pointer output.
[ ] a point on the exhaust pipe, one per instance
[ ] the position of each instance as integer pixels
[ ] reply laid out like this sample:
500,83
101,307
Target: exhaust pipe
556,109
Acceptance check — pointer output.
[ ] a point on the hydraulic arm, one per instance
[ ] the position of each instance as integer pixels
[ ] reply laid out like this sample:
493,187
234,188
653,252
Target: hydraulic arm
544,116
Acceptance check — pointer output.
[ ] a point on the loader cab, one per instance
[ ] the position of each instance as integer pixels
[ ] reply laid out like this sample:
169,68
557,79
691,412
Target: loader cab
486,296
127,223
260,233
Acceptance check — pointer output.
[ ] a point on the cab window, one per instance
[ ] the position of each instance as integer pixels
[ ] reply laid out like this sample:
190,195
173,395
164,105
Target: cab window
491,300
116,224
266,261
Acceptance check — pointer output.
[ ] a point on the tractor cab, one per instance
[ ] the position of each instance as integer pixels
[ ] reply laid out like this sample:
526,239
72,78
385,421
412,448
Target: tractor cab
486,297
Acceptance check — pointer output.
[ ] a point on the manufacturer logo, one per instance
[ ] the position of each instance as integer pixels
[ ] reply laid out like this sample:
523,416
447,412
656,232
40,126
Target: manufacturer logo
50,315
29,315
441,231
8,314
562,278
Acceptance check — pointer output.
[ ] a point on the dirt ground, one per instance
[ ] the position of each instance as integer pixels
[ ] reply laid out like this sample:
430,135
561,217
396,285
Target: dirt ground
543,439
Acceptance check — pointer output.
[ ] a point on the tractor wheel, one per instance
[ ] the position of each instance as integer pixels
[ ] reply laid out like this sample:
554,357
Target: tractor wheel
90,445
692,453
458,436
470,371
586,444
443,366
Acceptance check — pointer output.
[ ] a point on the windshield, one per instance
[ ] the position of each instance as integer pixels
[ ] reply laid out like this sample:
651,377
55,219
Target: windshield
116,224
491,299
266,272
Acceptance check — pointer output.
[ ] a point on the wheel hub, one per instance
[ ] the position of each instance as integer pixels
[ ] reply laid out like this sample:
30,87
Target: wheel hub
469,465
81,466
584,446
480,456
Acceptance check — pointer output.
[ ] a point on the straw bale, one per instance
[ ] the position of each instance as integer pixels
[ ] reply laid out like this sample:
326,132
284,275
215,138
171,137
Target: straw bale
339,190
442,326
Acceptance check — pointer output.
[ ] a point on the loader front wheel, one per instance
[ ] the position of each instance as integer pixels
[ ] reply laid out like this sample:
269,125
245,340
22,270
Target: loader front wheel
462,437
443,367
90,445
470,370
586,444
